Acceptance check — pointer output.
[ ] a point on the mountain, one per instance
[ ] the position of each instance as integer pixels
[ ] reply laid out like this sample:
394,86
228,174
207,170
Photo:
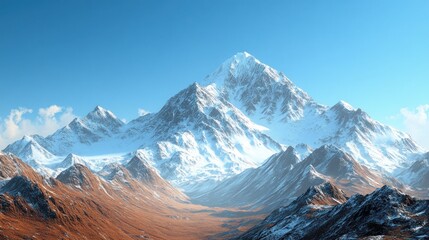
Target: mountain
417,175
138,174
141,170
11,166
260,91
80,177
269,98
198,138
94,127
195,140
283,177
28,198
71,160
370,142
116,174
324,213
77,136
30,149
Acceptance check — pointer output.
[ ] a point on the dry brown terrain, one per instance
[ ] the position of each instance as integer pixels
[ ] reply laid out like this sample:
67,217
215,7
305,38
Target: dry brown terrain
96,209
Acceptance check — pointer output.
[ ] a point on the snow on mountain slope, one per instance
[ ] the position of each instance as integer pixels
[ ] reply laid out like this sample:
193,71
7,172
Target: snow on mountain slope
272,100
196,138
93,133
137,175
374,144
96,126
284,219
384,213
284,177
199,137
418,174
71,160
29,149
260,90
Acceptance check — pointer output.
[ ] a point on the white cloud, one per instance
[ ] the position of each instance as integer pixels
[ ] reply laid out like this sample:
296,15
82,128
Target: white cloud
47,121
142,112
13,123
416,122
49,112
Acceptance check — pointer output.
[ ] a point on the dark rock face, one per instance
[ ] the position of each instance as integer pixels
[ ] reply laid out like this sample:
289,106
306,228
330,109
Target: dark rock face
26,196
385,212
78,176
140,170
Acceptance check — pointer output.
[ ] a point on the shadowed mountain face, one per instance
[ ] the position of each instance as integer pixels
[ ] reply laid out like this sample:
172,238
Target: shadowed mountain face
283,177
27,197
417,175
324,213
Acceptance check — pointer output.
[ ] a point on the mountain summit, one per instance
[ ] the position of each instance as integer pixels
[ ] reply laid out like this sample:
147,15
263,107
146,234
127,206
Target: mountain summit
293,117
199,133
259,90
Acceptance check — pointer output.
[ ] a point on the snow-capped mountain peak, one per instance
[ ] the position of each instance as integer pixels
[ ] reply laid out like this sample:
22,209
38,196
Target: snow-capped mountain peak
101,117
244,62
30,149
198,132
100,114
259,90
270,99
190,101
343,105
71,160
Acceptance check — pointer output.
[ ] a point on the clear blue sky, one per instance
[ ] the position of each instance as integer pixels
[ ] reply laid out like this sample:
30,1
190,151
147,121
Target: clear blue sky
126,55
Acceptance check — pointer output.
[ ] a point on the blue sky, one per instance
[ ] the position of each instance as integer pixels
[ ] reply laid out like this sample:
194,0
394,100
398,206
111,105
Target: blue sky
126,55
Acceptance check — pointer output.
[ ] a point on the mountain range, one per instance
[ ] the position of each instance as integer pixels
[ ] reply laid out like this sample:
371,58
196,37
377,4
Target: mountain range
239,144
284,177
324,212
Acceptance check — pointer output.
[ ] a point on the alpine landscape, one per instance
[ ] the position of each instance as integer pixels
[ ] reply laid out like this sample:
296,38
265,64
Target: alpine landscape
218,157
242,153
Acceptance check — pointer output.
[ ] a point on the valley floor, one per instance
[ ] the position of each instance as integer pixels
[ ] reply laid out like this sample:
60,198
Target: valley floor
188,222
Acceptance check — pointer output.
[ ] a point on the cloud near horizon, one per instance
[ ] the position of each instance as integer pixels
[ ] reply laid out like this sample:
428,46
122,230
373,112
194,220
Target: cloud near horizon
47,121
416,122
